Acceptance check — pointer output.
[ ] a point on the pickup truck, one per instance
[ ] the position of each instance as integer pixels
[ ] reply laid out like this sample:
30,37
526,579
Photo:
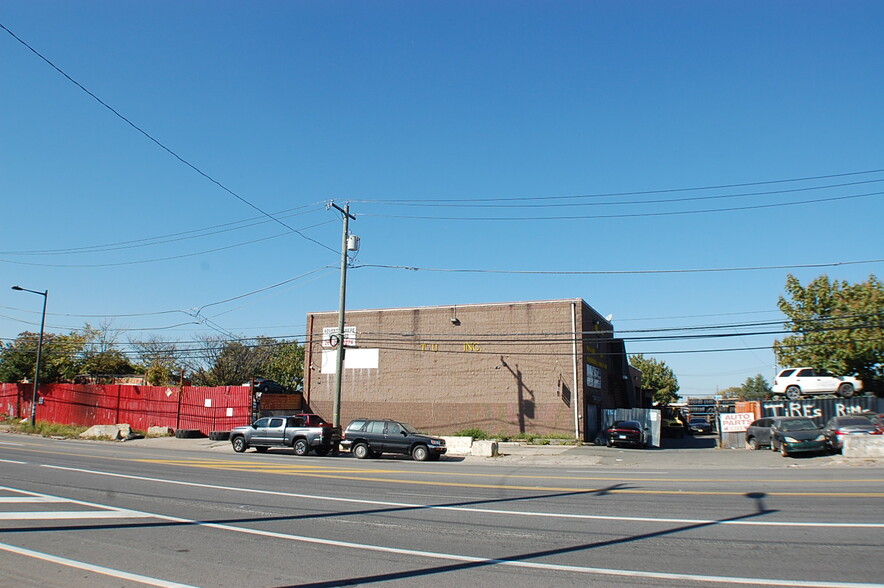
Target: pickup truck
296,431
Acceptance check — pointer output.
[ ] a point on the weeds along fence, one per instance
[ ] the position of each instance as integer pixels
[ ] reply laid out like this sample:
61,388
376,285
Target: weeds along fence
178,407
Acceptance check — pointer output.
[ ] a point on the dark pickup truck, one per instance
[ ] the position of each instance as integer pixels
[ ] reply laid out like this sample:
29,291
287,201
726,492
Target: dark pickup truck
302,432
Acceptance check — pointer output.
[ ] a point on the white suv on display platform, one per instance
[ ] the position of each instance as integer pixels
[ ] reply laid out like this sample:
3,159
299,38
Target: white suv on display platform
804,381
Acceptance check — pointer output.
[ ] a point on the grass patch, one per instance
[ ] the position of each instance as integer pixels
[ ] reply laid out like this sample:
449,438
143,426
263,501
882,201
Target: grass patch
531,438
45,429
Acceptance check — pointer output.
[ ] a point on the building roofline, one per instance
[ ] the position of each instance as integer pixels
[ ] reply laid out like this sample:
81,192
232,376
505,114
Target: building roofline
459,306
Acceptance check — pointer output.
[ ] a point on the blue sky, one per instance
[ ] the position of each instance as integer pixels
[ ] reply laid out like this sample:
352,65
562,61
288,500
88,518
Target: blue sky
505,137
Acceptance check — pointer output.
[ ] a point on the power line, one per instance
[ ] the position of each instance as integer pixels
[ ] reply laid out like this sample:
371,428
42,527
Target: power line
171,237
620,272
480,202
499,218
636,193
160,144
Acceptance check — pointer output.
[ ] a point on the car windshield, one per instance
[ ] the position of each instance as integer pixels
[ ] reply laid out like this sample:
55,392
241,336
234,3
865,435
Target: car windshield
409,429
798,425
854,421
698,420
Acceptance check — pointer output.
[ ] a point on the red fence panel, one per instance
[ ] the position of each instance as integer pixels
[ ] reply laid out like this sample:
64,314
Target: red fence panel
215,409
206,409
10,400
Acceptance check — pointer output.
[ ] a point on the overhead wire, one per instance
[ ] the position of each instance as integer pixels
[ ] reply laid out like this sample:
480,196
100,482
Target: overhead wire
633,193
622,272
160,144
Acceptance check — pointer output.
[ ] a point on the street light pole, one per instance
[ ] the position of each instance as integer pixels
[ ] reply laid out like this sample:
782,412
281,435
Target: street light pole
45,295
339,339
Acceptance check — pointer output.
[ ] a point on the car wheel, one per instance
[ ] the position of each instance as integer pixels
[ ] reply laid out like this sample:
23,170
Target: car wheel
793,392
420,453
753,444
374,454
261,449
239,444
301,447
360,451
845,390
322,451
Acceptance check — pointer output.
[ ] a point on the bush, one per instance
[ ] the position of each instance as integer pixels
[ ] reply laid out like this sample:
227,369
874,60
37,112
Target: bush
474,433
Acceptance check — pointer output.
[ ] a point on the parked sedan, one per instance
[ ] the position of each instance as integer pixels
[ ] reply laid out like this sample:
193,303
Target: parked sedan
758,433
628,433
839,427
790,435
699,426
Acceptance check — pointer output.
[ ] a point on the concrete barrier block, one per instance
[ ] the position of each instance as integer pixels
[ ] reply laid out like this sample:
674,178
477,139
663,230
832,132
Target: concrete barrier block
160,432
484,449
863,446
101,432
458,445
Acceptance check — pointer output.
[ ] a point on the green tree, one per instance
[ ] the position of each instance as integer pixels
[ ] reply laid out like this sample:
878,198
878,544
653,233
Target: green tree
286,365
656,376
732,392
61,360
231,363
836,326
158,360
755,388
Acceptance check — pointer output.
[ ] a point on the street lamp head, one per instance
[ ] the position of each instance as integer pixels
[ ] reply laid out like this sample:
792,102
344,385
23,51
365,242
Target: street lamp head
17,288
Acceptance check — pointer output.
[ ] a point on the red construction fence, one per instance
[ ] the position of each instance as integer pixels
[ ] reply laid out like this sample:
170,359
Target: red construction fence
179,407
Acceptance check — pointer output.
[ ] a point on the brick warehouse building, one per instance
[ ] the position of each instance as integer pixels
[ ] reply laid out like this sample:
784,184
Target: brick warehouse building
537,367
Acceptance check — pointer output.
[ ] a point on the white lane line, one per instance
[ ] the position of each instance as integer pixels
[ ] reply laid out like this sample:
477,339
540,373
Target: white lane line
745,523
13,461
92,568
71,515
509,562
29,499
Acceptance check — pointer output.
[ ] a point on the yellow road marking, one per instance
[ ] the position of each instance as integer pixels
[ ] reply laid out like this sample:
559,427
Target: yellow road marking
343,474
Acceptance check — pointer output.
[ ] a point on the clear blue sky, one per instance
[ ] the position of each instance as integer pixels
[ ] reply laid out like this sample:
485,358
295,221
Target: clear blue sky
496,113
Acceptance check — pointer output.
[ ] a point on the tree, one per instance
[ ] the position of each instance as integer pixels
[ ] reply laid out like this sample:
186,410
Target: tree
755,388
61,361
158,360
836,326
286,365
656,376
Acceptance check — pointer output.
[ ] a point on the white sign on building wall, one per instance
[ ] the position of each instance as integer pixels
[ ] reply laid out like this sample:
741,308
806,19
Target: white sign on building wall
329,332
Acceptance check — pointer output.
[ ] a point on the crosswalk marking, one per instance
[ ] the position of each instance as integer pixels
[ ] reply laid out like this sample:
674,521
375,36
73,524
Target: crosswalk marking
15,496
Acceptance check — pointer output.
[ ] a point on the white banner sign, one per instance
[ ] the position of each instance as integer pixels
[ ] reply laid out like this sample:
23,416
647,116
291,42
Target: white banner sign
329,332
735,422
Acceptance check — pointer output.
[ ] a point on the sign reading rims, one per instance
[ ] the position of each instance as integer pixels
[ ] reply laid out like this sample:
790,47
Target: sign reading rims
329,334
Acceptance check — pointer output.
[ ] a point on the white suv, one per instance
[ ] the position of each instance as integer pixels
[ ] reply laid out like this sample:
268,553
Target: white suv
803,381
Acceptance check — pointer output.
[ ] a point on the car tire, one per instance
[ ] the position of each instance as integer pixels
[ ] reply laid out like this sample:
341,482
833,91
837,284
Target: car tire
239,444
361,451
420,453
845,390
322,451
752,442
793,392
301,447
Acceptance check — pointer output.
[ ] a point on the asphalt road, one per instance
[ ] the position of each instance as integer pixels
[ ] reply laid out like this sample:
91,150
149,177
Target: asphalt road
132,514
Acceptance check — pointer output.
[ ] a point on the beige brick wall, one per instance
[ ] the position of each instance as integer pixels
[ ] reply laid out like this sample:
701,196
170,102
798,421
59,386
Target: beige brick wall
500,368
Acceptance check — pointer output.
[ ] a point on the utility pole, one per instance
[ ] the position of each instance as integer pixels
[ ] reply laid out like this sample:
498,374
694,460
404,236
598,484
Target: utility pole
339,338
45,295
